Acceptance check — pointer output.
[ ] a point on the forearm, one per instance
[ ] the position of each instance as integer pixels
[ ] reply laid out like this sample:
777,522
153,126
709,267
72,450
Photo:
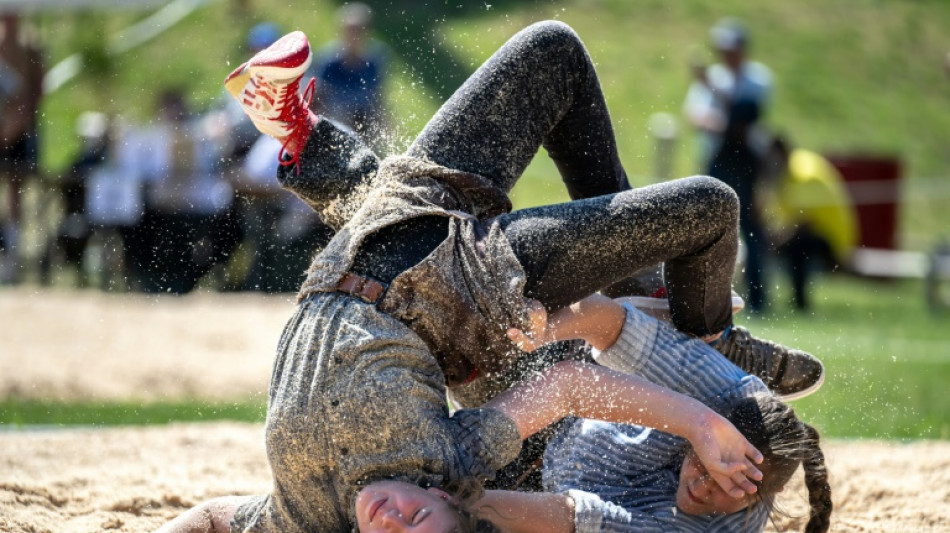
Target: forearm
212,516
590,391
527,512
596,319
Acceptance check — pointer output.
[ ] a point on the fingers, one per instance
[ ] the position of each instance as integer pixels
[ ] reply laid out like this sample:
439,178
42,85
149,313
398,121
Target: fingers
750,469
728,485
743,484
737,479
537,328
735,483
521,340
754,454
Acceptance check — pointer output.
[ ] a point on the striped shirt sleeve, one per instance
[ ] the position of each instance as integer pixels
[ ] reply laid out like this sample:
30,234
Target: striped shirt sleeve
592,514
666,356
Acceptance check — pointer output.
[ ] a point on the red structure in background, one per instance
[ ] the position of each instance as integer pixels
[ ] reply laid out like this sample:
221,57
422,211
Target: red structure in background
874,185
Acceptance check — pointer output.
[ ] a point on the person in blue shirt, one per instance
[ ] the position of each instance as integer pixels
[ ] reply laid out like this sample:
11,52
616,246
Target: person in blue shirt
350,73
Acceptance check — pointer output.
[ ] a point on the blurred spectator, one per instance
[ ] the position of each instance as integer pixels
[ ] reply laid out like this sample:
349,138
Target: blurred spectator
22,66
350,74
264,212
283,232
812,217
115,206
103,204
738,165
725,103
187,227
68,246
716,87
9,84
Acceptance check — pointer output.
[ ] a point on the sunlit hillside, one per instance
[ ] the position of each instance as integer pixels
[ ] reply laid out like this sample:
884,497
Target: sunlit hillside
852,75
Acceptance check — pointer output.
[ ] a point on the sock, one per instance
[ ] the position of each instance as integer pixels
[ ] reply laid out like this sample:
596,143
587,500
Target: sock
725,333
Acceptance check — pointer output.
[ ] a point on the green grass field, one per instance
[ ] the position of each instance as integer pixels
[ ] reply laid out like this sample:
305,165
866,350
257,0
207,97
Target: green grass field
853,75
887,359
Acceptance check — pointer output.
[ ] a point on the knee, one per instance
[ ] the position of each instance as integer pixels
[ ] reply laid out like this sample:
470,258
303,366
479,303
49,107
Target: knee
553,29
717,195
552,35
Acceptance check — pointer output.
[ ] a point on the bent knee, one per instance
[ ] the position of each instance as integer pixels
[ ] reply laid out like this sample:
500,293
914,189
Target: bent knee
553,34
715,193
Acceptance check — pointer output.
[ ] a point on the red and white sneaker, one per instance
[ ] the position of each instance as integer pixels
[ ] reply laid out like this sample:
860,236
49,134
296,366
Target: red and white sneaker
268,89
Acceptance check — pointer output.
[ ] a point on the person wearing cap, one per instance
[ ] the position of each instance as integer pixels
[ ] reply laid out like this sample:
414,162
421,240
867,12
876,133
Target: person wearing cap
726,103
716,87
22,60
350,73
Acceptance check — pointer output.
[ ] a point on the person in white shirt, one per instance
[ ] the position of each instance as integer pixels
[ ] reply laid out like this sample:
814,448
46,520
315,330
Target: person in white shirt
716,87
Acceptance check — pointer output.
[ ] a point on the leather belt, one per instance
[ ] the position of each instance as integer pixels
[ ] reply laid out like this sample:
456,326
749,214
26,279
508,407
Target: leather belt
363,287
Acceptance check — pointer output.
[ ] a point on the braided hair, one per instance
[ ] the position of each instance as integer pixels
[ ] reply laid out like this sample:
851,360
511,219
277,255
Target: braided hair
785,442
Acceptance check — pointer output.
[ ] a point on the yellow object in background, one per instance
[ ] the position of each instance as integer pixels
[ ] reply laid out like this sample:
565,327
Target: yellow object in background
813,192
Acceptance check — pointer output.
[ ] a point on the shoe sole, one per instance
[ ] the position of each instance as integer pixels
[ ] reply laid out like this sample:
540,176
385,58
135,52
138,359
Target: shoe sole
804,392
286,59
292,51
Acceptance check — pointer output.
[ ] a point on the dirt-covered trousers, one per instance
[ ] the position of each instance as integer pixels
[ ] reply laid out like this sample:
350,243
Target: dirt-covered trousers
540,89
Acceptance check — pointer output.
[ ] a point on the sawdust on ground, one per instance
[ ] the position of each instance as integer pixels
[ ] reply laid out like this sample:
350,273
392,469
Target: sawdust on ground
89,346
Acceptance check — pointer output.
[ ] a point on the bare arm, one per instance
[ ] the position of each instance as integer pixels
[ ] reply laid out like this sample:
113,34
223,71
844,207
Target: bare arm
591,391
527,512
596,319
212,516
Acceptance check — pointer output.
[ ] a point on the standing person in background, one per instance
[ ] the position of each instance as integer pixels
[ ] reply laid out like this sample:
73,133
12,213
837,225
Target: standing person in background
115,205
187,203
23,59
68,246
815,222
726,103
350,74
286,231
737,164
231,136
717,87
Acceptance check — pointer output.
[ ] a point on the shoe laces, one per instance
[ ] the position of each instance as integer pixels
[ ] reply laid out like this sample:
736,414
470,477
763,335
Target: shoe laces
295,111
753,355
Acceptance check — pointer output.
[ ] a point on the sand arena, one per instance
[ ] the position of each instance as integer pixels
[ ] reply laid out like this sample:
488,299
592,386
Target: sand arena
81,346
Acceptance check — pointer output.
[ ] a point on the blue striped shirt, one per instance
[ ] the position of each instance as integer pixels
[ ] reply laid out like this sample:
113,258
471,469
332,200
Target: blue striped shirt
624,477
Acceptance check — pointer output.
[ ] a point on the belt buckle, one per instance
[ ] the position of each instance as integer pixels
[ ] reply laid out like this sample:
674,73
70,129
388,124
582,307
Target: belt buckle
361,291
360,285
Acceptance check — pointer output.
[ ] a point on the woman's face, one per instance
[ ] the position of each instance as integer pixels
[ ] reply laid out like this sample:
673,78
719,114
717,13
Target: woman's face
699,494
388,506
